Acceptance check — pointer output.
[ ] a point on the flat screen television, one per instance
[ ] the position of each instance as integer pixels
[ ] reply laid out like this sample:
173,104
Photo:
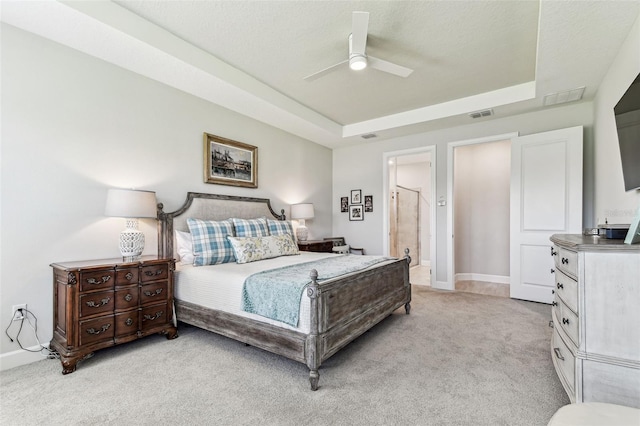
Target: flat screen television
627,113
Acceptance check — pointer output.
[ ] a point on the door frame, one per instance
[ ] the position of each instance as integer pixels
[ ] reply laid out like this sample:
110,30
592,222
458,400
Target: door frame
385,202
450,283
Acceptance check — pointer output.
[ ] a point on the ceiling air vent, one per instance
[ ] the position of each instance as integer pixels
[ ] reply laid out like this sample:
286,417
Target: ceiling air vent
483,113
369,136
564,97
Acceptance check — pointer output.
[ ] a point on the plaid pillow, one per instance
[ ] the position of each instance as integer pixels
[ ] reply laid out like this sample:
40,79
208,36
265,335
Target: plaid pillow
250,227
210,244
280,227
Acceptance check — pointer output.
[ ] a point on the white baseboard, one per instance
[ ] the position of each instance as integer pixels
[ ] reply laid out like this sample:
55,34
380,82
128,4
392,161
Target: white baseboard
20,357
441,285
426,263
499,279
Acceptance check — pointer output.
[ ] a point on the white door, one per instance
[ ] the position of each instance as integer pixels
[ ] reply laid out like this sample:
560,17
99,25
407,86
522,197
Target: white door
546,199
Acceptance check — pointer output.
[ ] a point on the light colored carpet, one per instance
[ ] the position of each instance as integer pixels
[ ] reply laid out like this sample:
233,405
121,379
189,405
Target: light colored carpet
458,359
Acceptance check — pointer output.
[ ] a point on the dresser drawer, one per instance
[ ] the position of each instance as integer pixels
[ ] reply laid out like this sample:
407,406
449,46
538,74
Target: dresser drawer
153,293
567,261
153,316
126,323
564,361
96,330
127,298
567,289
567,320
97,280
127,276
92,304
154,273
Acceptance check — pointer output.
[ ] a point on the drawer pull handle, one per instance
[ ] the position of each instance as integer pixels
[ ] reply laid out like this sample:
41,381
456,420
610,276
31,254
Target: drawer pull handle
153,317
560,286
558,354
565,261
129,276
129,321
102,330
553,271
128,297
103,302
553,253
156,273
565,320
101,281
554,303
153,293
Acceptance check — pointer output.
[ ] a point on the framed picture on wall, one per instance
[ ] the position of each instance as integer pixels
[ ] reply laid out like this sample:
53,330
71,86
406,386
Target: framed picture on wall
344,204
356,212
356,196
368,203
227,162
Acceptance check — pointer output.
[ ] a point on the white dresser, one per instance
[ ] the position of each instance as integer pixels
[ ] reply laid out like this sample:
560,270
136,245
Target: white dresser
596,318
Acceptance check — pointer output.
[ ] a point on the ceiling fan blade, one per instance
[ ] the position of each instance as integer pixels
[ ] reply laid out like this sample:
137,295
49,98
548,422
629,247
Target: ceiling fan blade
325,71
391,68
359,28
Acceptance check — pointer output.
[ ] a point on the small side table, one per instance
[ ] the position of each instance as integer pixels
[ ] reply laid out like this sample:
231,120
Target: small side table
320,246
103,303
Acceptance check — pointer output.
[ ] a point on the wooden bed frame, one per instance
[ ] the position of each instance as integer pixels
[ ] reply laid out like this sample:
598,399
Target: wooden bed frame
341,309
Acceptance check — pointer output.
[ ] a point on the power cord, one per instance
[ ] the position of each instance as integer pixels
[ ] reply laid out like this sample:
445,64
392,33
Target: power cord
24,315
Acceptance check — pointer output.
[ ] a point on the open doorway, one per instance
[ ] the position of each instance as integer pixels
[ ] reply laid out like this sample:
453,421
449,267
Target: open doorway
410,210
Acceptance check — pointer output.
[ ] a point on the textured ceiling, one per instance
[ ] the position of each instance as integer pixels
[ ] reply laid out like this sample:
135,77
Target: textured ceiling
252,56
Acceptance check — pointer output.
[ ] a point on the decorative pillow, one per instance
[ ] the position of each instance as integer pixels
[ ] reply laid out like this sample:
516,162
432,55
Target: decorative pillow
210,244
280,227
251,249
250,227
184,248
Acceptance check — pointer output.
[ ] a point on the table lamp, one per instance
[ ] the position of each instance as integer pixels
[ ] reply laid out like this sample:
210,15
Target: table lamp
132,205
301,212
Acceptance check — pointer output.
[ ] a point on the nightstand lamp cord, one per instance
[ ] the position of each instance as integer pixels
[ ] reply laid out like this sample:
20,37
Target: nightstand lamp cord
25,315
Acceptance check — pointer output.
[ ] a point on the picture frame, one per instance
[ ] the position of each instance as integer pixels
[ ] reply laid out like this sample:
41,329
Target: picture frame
344,204
356,196
356,212
368,203
229,162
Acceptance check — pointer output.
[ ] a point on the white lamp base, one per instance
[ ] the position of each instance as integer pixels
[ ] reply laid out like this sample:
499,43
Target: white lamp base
131,240
302,233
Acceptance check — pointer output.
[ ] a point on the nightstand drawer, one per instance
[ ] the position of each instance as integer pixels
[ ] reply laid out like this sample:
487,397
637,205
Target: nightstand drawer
567,289
127,298
153,315
567,261
127,323
154,272
96,280
567,320
153,293
96,330
96,303
127,276
563,360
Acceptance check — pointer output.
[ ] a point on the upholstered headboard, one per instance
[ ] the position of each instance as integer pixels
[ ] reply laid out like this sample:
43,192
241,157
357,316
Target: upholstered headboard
208,207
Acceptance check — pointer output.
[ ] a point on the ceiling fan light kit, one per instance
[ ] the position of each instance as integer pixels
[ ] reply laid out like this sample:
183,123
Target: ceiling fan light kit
358,59
358,62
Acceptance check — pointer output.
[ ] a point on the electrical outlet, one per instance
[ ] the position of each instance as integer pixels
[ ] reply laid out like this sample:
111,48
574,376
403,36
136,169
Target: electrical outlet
18,316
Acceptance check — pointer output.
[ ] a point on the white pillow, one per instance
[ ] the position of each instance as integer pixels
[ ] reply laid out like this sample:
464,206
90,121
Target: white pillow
184,241
251,249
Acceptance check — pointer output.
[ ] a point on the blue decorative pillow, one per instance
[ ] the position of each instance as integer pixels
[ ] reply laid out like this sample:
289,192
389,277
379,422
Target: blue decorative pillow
280,227
250,227
210,244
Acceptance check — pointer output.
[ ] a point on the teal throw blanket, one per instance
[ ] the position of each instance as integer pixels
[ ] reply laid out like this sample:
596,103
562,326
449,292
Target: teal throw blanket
276,293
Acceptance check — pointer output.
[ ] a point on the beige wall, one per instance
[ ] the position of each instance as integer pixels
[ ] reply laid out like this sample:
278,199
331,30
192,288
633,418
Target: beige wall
74,126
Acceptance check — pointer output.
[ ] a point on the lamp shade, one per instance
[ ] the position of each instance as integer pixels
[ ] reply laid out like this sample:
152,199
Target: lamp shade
302,211
131,203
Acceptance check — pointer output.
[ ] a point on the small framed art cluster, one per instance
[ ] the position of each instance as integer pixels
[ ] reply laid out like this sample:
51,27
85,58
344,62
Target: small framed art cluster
355,205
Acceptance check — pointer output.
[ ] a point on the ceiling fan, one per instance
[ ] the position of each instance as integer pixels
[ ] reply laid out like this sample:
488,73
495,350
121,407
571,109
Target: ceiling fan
358,58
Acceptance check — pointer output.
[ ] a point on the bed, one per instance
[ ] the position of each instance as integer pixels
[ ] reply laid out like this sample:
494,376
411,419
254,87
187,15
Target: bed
333,312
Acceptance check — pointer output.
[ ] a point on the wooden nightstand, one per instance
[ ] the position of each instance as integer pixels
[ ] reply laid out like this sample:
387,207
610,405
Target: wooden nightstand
102,303
316,245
